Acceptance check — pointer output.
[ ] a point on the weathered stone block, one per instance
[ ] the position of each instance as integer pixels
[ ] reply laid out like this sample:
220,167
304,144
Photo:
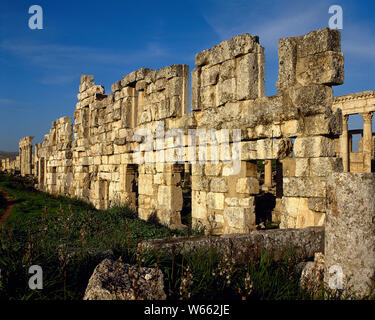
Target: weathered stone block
350,231
319,41
322,124
170,197
210,75
322,68
312,99
273,148
212,169
215,201
302,167
218,185
232,202
248,150
238,220
195,89
227,70
322,167
145,184
287,50
247,77
113,280
199,183
247,186
199,205
197,169
317,204
295,213
116,86
226,91
304,186
247,202
229,49
128,79
207,97
312,147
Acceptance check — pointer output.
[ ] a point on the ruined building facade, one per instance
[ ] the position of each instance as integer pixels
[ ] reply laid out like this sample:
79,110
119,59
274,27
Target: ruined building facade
300,135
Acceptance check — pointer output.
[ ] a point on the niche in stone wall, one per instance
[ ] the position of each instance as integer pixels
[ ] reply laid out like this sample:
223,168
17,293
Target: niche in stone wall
103,194
186,194
54,175
265,201
130,188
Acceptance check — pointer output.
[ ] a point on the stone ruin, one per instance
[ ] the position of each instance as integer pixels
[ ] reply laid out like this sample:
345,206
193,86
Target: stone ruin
140,145
300,135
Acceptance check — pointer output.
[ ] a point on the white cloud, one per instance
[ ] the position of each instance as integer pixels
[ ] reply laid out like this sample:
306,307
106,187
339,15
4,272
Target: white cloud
61,64
6,101
58,56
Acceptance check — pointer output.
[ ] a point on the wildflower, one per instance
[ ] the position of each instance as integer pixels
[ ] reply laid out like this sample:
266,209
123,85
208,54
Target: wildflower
186,283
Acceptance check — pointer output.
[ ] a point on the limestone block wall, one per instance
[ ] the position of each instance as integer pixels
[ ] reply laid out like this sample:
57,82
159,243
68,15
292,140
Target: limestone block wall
53,159
105,129
134,145
10,166
309,66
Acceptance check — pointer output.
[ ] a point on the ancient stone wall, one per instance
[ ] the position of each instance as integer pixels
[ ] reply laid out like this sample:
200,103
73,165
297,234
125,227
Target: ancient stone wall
53,159
104,167
10,166
309,66
140,145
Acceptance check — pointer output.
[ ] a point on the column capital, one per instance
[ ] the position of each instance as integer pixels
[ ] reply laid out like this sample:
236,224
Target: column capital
345,117
367,116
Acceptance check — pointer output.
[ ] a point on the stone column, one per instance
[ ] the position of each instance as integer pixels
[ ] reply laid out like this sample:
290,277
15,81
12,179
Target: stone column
268,173
350,232
345,144
367,141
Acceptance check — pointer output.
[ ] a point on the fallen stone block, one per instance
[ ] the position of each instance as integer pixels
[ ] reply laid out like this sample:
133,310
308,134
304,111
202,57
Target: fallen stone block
305,242
114,280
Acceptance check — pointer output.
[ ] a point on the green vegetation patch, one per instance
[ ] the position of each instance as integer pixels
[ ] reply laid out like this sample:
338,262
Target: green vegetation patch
68,238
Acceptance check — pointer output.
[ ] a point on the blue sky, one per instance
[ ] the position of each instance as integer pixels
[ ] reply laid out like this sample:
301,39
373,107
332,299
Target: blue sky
40,69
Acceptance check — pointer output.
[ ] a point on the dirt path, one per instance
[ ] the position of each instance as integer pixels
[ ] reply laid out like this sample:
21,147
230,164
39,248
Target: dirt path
8,208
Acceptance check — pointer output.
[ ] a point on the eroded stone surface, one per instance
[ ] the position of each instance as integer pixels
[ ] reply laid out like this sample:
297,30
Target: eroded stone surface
306,242
350,230
114,280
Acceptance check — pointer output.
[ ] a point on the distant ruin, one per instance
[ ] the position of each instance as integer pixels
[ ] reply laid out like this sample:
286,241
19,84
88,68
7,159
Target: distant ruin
289,142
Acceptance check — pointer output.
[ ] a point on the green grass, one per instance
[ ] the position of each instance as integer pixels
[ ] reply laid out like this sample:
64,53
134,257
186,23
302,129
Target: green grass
30,202
215,276
42,225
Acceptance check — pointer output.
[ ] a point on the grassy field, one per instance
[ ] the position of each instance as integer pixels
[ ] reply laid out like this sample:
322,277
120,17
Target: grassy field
42,229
